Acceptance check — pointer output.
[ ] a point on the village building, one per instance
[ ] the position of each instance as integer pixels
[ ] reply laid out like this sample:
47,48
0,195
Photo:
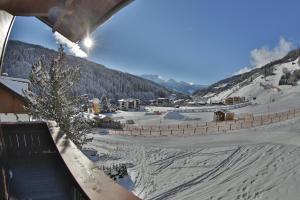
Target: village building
223,115
163,101
152,102
129,104
234,100
13,101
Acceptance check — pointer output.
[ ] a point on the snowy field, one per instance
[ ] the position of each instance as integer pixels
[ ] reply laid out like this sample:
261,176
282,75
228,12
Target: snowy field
141,118
260,163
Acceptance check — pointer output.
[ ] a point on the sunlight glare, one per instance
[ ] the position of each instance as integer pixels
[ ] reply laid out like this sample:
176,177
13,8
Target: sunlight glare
88,42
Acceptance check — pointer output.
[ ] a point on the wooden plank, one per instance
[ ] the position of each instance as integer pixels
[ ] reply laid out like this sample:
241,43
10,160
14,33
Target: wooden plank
92,180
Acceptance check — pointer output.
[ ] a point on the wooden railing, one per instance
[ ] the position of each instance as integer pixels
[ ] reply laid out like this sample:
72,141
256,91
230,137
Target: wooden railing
249,121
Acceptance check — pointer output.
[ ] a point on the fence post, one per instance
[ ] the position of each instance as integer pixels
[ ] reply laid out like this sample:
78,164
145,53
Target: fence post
218,128
230,126
194,131
171,132
183,131
159,132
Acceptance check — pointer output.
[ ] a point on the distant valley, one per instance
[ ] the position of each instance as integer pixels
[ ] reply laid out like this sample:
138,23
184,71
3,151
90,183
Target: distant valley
171,84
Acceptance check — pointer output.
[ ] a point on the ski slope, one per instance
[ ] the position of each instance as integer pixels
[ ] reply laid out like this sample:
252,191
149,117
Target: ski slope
264,89
261,163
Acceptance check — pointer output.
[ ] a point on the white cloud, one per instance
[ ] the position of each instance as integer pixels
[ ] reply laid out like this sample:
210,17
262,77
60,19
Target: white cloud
243,70
264,55
73,47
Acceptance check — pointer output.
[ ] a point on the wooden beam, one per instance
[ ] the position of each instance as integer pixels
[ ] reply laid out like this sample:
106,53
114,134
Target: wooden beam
29,7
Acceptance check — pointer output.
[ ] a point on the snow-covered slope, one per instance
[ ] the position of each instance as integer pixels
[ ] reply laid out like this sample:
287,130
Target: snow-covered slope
265,90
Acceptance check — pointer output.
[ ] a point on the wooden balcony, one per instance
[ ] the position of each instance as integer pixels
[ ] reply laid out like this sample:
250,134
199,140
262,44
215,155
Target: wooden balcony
39,163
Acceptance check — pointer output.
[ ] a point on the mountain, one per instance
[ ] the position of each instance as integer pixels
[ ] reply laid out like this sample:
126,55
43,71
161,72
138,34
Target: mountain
96,80
171,84
276,78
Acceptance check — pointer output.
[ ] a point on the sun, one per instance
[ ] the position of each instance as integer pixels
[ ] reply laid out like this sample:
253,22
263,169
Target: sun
88,42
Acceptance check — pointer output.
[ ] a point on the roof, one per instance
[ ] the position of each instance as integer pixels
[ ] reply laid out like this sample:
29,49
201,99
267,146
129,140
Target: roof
14,92
74,19
127,100
18,85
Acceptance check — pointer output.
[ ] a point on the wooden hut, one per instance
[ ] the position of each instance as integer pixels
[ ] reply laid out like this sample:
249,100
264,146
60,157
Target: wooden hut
223,115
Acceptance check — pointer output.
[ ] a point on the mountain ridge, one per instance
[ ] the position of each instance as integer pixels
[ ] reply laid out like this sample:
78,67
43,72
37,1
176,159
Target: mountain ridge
174,85
96,79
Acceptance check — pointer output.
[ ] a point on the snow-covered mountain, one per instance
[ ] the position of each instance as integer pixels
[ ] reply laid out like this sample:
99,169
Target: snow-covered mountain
171,84
96,80
272,82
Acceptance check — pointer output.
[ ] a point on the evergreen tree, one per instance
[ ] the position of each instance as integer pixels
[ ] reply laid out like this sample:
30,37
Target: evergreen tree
105,104
50,97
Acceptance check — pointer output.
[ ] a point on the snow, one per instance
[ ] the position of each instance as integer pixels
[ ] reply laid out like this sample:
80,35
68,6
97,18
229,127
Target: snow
255,89
18,85
174,115
259,163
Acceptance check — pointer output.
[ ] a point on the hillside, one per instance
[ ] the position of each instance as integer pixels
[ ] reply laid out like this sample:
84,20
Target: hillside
171,84
257,82
96,80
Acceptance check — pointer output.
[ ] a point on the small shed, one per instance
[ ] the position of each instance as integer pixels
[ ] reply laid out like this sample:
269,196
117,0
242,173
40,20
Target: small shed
223,115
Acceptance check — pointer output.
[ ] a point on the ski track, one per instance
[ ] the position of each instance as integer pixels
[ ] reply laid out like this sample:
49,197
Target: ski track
222,171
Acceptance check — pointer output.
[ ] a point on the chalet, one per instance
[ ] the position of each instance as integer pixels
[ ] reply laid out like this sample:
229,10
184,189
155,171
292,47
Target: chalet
163,101
223,115
12,106
234,100
129,104
152,102
37,161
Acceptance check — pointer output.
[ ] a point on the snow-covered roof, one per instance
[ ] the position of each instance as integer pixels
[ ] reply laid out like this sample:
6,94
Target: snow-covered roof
127,100
18,85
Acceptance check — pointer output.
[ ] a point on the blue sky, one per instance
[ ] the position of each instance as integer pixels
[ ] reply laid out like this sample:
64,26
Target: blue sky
199,41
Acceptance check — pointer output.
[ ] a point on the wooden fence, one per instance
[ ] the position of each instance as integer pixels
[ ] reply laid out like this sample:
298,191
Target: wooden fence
249,121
